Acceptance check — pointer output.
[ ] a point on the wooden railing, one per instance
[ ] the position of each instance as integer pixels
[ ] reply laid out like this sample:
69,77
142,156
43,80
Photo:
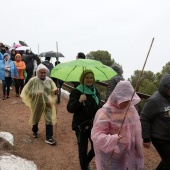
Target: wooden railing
141,95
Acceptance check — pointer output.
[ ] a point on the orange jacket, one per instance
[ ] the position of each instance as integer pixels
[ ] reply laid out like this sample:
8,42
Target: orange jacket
20,66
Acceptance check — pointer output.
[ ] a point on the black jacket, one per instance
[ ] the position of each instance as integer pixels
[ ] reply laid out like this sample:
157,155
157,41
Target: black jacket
82,112
155,116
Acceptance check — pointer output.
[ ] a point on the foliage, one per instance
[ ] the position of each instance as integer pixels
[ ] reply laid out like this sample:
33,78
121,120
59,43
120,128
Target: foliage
149,82
103,56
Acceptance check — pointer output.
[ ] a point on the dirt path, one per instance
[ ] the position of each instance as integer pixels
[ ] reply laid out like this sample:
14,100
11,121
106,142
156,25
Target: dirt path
14,116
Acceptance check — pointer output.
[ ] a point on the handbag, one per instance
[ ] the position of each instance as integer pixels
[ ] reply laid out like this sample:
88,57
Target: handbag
86,125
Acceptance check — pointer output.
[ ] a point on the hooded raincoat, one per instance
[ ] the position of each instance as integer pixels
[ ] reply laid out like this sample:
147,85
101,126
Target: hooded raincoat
39,96
12,68
127,152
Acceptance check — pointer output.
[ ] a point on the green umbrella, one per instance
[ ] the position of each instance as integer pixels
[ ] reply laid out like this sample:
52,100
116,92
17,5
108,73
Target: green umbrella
72,70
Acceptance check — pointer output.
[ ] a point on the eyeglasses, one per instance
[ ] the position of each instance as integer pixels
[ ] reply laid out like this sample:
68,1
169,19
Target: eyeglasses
42,72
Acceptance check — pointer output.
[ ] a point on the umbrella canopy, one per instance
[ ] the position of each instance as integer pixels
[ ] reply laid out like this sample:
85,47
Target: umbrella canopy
17,45
72,70
51,54
22,48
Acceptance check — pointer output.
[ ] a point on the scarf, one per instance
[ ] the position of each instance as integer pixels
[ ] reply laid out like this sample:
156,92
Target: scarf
88,90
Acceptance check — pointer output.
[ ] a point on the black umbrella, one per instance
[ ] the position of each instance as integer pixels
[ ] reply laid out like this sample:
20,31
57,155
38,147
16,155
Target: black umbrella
23,43
51,54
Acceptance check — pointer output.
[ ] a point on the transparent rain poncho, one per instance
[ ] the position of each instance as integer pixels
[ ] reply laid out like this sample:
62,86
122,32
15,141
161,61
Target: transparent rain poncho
40,97
128,151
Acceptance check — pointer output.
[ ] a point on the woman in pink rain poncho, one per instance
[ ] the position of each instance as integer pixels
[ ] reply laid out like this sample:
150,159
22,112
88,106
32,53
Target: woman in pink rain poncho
127,147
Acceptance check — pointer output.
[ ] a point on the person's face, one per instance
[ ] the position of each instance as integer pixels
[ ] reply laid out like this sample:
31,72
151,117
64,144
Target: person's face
124,104
42,73
6,57
13,51
17,58
3,49
88,79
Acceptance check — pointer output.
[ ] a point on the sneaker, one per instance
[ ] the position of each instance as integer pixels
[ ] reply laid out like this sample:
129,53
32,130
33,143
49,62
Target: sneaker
7,97
50,141
35,135
11,88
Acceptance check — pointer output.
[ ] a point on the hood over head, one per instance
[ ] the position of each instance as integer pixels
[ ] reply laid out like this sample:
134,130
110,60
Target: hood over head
122,92
6,54
164,85
41,66
18,55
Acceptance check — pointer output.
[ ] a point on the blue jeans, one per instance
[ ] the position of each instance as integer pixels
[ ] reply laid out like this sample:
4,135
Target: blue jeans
163,148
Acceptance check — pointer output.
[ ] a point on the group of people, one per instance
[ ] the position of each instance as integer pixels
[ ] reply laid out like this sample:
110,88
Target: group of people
16,69
38,92
115,130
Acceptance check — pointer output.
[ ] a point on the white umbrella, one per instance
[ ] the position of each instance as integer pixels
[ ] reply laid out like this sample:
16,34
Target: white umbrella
22,48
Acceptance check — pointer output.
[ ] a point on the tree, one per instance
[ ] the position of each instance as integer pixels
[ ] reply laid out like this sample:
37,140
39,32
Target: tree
149,75
166,69
103,56
147,84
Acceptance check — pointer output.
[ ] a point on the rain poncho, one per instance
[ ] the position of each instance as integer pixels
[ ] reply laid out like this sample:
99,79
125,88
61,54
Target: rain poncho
128,151
39,96
13,69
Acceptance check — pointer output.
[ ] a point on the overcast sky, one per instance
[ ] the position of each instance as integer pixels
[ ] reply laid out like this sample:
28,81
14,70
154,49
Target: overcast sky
124,28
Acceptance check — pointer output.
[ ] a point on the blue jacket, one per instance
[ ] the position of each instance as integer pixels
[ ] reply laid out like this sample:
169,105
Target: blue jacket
13,69
1,56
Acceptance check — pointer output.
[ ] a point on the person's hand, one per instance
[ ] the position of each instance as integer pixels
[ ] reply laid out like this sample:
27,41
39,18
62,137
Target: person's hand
119,137
56,91
147,145
6,67
82,98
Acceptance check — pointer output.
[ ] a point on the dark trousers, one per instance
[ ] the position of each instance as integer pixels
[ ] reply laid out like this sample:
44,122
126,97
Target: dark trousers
49,130
19,84
163,148
85,157
59,84
6,84
29,74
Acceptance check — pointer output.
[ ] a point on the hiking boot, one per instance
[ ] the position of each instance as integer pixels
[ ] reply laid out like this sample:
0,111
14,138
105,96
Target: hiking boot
50,141
35,135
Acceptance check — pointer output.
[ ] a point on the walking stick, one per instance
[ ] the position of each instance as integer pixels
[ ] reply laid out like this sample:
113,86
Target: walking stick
137,84
57,64
57,84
